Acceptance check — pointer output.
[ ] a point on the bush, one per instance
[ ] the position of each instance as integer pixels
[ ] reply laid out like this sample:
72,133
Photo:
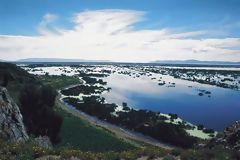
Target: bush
22,151
200,127
37,108
214,153
208,130
176,152
168,157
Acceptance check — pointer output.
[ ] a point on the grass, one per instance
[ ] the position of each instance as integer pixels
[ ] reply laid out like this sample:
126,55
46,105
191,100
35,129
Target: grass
213,154
22,151
31,150
77,133
59,82
14,90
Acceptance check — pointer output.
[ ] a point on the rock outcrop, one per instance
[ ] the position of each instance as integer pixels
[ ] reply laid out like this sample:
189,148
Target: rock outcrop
44,141
229,138
11,121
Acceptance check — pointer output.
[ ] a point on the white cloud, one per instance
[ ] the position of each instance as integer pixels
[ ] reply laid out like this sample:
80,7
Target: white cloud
110,35
44,27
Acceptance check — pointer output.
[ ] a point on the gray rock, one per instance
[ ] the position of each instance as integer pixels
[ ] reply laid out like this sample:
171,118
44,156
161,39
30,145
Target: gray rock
44,141
229,138
49,157
11,121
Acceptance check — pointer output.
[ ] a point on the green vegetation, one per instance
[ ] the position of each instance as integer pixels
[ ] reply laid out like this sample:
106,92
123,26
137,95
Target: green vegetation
14,90
76,133
22,151
150,152
79,134
82,74
30,151
58,82
16,79
168,157
82,140
90,80
87,90
37,107
211,154
35,101
143,121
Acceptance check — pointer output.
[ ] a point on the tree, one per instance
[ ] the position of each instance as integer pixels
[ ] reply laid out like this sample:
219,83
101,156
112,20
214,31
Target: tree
37,108
48,95
4,77
5,80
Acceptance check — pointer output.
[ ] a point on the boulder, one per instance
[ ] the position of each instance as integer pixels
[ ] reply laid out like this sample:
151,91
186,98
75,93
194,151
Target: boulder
44,141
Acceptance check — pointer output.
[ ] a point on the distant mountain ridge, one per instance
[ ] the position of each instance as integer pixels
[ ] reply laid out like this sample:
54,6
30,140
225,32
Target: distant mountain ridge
193,61
58,60
173,62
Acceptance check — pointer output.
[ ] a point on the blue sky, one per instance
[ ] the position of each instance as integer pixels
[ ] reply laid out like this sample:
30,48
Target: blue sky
218,19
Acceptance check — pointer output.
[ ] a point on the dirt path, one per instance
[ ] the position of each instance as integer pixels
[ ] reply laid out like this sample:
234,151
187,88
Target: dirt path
120,132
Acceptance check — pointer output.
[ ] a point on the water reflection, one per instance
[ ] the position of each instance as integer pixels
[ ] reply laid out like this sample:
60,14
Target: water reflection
216,110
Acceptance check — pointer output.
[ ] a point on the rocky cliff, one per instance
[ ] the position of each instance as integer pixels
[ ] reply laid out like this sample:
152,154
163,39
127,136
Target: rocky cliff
228,139
11,121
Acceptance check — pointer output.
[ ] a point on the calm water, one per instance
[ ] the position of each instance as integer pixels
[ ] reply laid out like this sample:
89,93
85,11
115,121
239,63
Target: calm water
217,111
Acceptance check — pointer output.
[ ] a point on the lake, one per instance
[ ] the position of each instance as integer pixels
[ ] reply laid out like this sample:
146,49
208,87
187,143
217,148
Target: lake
216,111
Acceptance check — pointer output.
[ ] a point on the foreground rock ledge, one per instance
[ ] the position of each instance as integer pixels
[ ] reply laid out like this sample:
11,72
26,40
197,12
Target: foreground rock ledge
11,121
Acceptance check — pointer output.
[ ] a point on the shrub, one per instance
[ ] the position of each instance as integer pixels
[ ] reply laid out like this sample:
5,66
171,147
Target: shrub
176,152
22,151
168,157
36,105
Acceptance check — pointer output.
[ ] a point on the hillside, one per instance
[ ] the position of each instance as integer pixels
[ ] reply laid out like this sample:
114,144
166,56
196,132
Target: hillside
18,78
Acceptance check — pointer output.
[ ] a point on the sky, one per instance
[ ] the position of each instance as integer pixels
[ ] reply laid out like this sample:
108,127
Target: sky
120,30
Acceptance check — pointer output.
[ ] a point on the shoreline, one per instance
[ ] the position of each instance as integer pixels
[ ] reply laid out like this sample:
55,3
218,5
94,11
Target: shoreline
120,132
193,132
